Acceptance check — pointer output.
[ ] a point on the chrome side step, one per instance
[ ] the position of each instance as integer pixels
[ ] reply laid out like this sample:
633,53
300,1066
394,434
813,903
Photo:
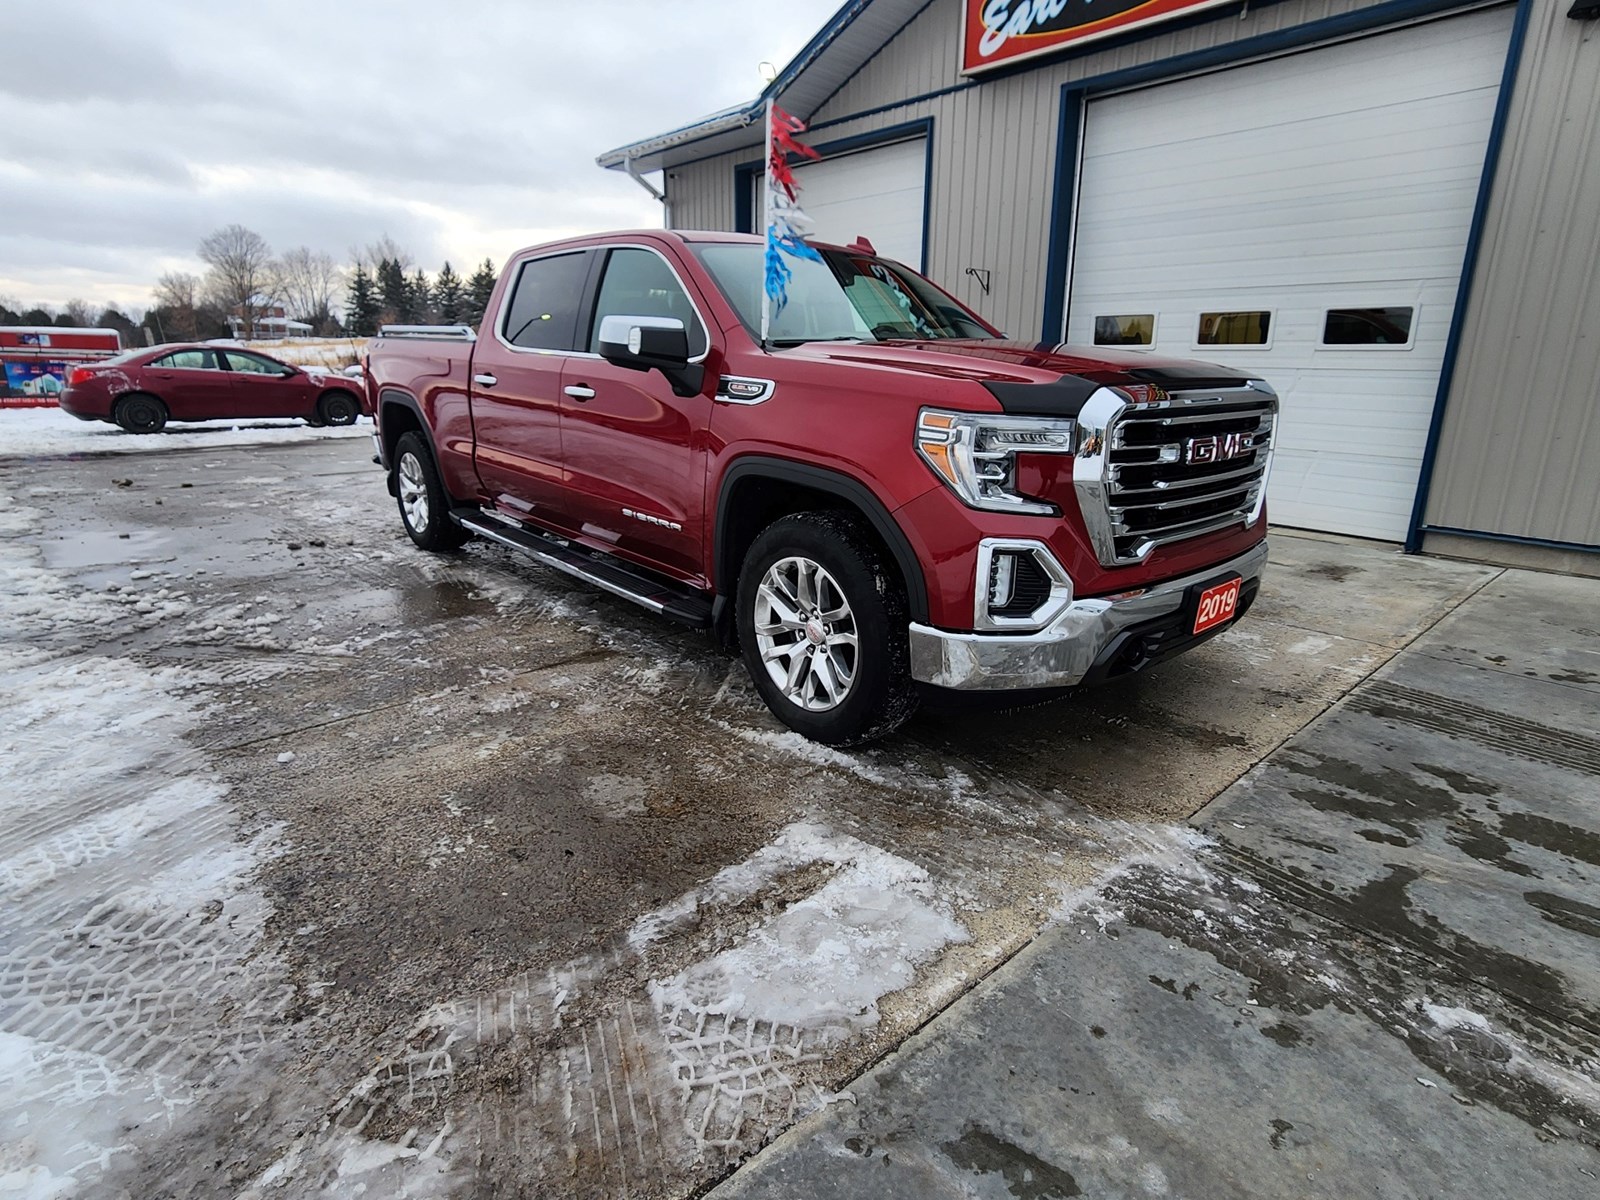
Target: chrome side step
658,595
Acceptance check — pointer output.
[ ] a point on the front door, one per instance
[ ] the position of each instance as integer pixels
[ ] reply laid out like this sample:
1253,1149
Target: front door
635,452
516,386
191,383
264,388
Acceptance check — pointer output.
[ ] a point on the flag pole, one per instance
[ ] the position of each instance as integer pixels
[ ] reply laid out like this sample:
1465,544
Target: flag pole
766,227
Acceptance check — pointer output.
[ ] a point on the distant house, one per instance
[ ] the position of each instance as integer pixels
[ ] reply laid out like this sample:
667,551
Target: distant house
271,321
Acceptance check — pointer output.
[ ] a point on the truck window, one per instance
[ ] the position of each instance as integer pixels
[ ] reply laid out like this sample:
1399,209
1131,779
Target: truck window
542,313
639,283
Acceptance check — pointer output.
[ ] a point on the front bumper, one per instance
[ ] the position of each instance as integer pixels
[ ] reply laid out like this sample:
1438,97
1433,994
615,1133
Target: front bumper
1091,639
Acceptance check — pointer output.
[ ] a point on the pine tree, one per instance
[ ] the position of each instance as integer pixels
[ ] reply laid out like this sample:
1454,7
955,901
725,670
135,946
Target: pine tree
361,306
394,292
448,297
479,288
419,293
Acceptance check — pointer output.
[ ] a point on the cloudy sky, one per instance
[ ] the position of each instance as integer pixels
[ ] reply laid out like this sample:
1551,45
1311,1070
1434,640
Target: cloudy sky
462,130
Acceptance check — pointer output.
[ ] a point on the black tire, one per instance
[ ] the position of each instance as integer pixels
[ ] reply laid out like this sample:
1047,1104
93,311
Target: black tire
417,479
879,695
138,412
338,408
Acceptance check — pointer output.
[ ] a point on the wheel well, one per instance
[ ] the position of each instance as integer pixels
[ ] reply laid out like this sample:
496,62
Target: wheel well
398,419
753,500
340,391
136,395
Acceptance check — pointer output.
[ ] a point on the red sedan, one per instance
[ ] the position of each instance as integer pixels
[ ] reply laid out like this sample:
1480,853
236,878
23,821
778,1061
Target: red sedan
144,389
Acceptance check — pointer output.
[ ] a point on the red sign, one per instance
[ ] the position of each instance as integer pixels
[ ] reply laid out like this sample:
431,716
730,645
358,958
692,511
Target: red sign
999,32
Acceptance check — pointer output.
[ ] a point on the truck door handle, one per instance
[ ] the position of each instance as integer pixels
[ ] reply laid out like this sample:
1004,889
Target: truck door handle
485,380
578,392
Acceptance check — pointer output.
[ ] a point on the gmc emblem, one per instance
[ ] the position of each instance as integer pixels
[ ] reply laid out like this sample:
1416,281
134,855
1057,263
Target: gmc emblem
1218,447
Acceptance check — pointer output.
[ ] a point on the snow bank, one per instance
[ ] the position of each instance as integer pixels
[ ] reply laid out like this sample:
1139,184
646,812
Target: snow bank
51,433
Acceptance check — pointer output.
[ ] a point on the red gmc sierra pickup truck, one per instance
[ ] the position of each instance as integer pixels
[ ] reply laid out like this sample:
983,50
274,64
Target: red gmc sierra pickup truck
885,495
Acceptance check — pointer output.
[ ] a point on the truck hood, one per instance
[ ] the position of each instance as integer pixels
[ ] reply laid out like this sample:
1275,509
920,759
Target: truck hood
1064,370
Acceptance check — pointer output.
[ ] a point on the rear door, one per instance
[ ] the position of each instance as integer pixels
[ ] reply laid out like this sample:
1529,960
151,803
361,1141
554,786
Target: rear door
516,385
193,384
635,452
264,388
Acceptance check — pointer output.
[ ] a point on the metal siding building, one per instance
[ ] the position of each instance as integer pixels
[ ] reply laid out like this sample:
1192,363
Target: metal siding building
1497,428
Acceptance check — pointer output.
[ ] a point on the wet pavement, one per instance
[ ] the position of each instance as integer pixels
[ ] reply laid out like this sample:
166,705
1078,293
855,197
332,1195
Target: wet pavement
508,888
1378,975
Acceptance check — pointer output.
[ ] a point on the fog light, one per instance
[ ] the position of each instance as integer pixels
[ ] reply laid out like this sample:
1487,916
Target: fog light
1019,586
1002,579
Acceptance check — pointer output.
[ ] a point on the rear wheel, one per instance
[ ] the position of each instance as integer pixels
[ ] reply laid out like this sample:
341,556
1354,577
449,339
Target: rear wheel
338,408
822,625
424,504
139,413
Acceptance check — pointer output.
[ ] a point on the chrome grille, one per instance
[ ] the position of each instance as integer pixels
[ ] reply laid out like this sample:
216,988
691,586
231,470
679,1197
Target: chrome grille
1191,464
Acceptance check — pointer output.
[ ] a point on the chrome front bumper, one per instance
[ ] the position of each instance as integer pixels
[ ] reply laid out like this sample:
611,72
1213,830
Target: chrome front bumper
1066,650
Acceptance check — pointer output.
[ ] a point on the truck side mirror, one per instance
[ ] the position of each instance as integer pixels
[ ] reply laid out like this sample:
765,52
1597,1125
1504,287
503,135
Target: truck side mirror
652,343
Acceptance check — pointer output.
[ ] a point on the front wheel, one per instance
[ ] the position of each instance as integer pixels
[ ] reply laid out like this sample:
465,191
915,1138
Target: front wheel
424,504
822,624
337,408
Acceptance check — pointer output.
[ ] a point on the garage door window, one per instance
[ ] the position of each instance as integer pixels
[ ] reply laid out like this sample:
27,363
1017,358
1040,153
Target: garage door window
1368,327
1137,329
1235,329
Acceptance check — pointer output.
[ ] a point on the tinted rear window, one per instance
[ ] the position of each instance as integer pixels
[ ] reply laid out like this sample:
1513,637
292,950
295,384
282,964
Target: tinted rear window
543,311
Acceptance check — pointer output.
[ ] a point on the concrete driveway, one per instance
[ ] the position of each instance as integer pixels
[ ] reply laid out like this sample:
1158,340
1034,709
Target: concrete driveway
332,868
1378,975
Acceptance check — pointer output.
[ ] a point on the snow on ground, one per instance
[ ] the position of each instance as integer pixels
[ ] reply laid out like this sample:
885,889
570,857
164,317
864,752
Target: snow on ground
125,918
704,1061
49,432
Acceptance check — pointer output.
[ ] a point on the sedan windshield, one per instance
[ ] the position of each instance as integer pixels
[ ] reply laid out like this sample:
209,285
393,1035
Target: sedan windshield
845,297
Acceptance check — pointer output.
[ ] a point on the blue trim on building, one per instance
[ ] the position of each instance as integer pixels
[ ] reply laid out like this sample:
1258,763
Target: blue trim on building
1513,538
1057,263
1469,267
744,173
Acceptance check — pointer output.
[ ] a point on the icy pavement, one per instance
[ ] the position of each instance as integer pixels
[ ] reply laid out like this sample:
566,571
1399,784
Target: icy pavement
131,983
480,882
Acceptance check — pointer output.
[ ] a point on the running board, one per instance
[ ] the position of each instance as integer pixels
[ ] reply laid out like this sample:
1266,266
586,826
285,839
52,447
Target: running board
659,596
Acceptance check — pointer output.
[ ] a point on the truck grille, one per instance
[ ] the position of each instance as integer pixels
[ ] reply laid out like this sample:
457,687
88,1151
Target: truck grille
1187,465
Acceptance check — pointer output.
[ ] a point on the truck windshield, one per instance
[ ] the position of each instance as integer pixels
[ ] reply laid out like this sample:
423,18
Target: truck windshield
846,297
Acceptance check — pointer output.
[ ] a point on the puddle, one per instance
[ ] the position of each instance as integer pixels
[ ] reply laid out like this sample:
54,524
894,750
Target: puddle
107,547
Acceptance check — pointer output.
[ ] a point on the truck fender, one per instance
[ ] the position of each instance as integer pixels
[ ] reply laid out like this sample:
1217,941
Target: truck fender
389,397
834,483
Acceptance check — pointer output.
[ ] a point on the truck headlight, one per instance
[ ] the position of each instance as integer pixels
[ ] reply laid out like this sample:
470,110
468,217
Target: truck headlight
976,454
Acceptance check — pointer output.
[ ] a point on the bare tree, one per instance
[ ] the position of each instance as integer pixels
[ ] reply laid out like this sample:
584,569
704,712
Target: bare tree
177,305
241,275
384,249
308,282
77,314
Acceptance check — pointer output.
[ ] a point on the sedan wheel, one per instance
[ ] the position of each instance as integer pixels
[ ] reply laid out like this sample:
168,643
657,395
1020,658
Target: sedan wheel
141,414
338,408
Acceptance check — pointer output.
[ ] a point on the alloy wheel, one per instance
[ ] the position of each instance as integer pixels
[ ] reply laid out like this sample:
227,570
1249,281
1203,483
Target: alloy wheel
806,633
413,493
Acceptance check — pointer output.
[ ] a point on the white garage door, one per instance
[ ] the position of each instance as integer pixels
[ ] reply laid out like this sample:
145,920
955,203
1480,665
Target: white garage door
876,194
1303,219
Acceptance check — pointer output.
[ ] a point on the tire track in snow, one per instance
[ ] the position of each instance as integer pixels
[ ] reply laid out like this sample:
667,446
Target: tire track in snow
127,990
